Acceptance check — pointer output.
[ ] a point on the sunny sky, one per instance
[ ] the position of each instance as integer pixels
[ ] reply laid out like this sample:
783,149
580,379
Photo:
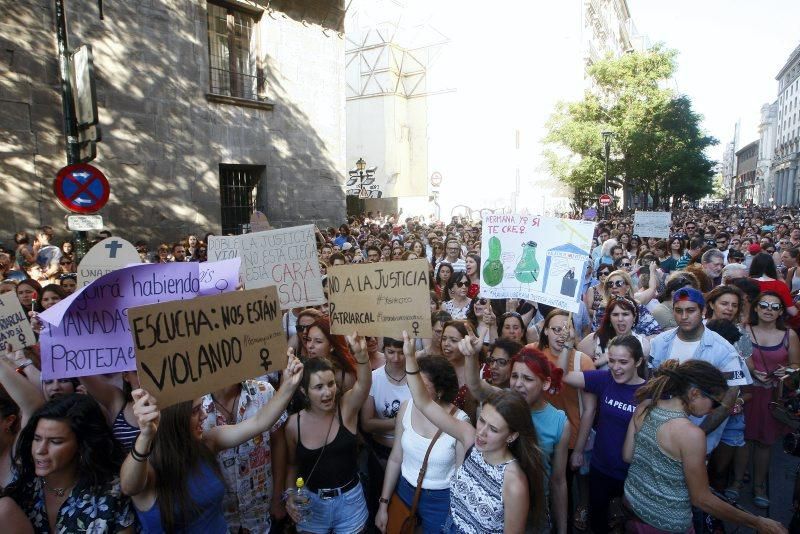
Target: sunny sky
729,54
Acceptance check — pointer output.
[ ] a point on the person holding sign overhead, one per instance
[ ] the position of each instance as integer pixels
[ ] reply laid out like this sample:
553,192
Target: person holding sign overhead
322,441
172,473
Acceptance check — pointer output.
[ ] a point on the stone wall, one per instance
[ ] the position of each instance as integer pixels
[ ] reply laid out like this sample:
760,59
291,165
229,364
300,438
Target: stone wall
163,141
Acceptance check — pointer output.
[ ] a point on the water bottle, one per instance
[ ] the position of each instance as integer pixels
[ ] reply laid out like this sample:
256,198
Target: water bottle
302,500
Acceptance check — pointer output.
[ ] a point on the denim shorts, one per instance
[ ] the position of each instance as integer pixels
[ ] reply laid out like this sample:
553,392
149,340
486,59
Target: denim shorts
345,514
733,435
433,507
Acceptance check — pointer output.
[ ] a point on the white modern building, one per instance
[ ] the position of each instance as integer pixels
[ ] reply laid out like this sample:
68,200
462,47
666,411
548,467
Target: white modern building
786,152
465,94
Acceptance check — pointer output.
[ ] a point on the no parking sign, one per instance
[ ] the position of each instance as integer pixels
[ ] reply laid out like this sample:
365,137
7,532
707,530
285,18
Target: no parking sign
81,188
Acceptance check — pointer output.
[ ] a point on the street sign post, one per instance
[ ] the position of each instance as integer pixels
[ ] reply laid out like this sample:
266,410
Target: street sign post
84,223
81,188
605,200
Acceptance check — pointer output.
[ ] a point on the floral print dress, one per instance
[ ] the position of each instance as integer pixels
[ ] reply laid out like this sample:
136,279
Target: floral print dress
94,512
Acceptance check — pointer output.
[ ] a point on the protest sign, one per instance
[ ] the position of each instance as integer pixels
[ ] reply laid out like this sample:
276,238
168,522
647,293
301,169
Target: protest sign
285,258
186,349
652,223
535,258
87,333
108,255
15,329
381,299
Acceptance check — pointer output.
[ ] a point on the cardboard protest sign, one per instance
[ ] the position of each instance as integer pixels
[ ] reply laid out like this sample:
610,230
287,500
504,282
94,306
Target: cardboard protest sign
285,258
542,259
381,299
186,349
15,329
652,223
87,333
108,255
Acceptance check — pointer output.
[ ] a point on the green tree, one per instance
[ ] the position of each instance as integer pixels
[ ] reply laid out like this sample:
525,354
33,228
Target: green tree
658,145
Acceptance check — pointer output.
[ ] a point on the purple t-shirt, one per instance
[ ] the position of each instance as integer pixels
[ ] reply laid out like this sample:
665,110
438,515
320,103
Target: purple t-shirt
615,407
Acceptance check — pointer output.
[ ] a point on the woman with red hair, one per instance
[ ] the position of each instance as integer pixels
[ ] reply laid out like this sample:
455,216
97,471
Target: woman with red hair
320,343
532,374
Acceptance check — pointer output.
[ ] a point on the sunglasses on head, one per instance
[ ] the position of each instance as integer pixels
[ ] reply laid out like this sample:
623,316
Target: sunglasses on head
615,283
774,306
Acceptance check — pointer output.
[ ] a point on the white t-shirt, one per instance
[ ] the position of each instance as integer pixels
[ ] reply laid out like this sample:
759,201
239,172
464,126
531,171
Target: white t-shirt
683,350
387,397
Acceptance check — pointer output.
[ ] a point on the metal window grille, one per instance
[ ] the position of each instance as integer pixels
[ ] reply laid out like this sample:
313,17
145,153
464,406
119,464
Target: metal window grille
233,53
238,189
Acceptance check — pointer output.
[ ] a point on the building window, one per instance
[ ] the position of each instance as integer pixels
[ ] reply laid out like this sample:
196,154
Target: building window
239,195
234,65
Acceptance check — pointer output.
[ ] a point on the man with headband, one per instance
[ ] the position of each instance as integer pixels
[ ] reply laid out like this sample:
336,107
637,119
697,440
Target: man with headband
692,340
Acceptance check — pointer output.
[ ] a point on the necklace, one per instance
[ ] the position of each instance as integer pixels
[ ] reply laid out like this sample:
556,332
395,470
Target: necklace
393,378
227,413
58,492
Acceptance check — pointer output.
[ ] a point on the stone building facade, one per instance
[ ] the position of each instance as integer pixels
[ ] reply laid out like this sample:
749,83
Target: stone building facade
207,110
787,147
745,182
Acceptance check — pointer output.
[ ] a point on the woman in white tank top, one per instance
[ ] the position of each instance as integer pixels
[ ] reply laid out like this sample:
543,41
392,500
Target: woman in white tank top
413,434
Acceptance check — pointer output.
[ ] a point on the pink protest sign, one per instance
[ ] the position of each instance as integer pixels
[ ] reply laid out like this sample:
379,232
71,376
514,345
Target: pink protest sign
88,333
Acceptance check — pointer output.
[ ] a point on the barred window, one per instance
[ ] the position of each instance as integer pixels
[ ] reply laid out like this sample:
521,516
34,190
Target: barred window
239,196
234,68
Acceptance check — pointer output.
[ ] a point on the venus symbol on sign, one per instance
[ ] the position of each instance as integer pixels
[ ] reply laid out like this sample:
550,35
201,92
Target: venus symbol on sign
415,326
112,248
265,361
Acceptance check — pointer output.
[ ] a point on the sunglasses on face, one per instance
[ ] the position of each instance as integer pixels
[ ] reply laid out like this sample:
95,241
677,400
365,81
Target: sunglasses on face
482,302
615,283
715,403
602,273
67,262
626,264
462,284
774,306
303,327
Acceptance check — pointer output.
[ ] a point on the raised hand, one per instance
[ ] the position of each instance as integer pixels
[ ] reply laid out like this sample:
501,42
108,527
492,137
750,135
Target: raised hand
409,346
358,346
293,374
145,408
471,344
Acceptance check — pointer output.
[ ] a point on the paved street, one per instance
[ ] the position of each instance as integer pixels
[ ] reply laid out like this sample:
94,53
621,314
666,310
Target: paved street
781,478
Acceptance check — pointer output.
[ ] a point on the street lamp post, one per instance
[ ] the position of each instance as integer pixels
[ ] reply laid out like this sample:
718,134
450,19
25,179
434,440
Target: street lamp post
361,172
607,141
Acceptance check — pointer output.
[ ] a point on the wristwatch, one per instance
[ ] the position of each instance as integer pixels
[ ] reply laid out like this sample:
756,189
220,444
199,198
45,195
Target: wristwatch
383,501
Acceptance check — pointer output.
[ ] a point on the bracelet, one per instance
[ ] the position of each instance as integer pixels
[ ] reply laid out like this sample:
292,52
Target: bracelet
23,365
363,363
412,372
138,456
383,501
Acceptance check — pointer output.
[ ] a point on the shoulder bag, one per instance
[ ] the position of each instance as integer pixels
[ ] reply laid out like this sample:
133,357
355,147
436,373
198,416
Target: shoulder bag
402,519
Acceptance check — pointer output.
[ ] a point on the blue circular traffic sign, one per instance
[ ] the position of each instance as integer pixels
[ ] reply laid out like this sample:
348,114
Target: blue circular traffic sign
81,188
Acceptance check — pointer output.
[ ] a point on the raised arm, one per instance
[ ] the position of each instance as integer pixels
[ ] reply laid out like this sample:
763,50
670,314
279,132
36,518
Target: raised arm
137,477
107,394
573,378
470,346
460,430
224,437
646,295
28,397
353,400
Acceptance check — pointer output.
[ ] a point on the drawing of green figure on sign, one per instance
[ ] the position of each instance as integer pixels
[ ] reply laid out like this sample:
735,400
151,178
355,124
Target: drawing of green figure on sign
493,268
527,270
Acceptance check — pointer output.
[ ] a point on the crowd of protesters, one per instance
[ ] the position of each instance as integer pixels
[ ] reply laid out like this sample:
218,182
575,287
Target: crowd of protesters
646,411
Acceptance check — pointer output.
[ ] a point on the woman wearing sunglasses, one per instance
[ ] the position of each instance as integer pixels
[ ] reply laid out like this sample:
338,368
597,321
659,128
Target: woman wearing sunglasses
619,284
459,304
763,271
667,452
593,298
775,348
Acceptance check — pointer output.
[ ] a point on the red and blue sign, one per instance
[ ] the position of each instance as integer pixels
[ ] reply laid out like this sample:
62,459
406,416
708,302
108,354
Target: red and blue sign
81,188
